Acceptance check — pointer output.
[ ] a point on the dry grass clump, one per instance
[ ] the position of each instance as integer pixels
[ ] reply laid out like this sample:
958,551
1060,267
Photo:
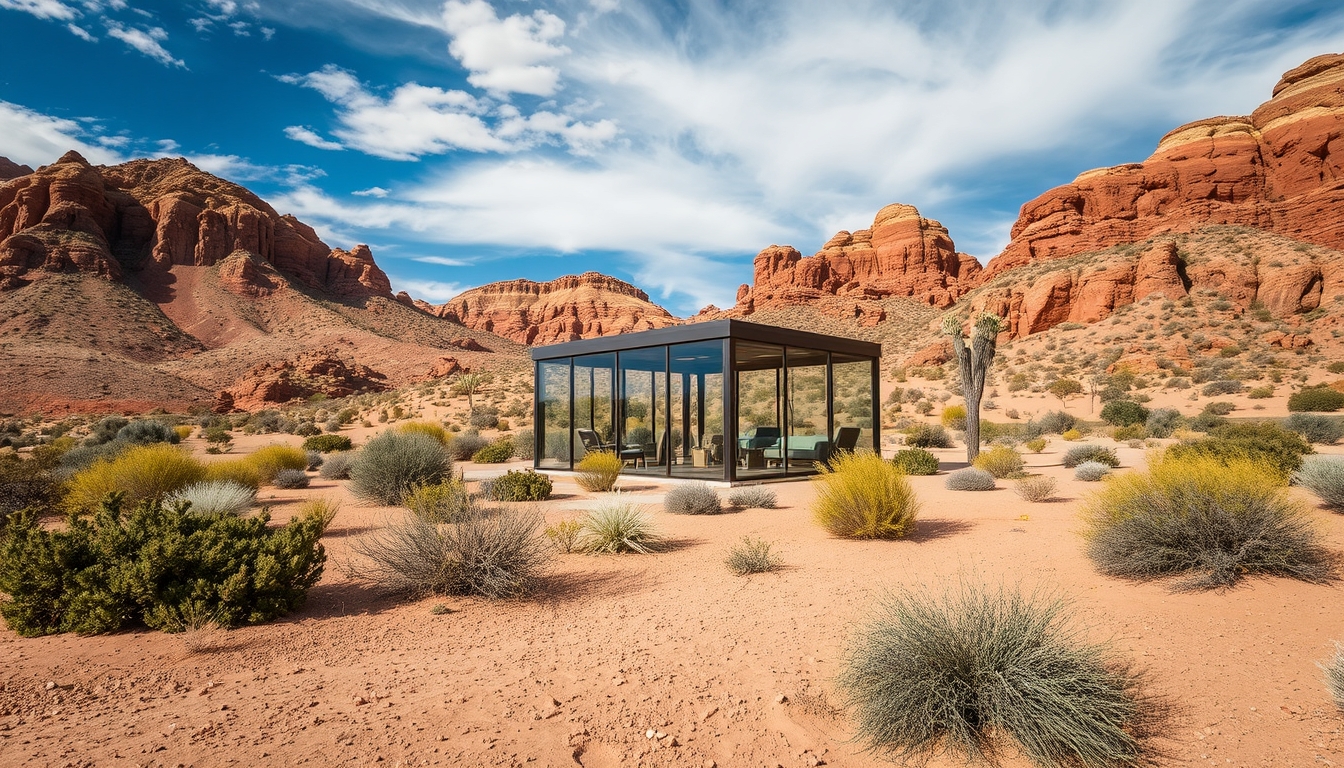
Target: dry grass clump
619,526
1323,476
1334,676
972,669
970,479
494,554
337,465
215,497
1036,489
1000,461
1206,520
693,499
269,460
141,473
564,535
427,428
753,497
863,496
239,471
598,471
752,556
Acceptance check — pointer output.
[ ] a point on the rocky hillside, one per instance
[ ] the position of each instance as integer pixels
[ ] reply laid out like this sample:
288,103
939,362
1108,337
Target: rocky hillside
565,309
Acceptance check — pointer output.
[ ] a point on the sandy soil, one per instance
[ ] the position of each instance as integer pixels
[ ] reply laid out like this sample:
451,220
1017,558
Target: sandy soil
732,671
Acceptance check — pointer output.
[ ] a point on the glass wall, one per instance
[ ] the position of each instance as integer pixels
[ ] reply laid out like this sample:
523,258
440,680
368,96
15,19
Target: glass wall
594,403
697,409
760,408
854,398
808,437
553,401
642,417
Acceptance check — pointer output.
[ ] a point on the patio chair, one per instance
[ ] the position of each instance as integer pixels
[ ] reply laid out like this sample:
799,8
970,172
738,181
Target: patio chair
846,439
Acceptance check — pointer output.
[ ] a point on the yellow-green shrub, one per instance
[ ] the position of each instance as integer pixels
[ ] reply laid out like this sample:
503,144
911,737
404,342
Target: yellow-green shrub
1036,444
863,496
999,461
142,473
183,431
598,471
435,431
954,417
240,471
1072,434
270,459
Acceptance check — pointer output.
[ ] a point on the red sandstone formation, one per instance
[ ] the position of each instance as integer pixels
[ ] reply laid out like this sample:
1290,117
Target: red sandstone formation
565,309
156,214
321,372
11,170
902,254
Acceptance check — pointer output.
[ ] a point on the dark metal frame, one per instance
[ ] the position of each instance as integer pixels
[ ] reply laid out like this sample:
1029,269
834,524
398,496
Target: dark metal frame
730,332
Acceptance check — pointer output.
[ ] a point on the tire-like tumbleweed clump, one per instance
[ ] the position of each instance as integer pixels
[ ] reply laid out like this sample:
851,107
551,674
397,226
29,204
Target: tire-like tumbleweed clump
1036,488
752,497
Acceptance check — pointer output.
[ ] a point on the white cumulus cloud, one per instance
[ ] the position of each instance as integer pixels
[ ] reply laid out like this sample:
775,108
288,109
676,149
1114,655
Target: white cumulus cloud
42,9
147,41
307,136
32,138
505,55
433,291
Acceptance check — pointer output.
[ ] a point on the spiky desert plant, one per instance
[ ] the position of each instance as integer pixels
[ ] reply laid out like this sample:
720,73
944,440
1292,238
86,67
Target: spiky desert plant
753,497
752,556
1323,476
470,384
974,363
619,526
1035,489
693,499
863,496
217,497
972,667
1334,676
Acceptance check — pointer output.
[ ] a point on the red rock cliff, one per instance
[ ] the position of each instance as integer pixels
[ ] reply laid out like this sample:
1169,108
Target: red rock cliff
565,309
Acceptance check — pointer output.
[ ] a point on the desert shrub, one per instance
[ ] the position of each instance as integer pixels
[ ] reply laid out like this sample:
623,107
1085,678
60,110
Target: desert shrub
1261,393
1207,421
1089,452
307,429
1055,422
928,436
1336,367
1130,433
1071,435
954,417
183,431
1002,433
291,479
968,668
495,453
1334,676
1123,413
1162,422
999,461
693,499
427,428
445,502
1323,476
141,473
916,461
970,479
752,556
1319,398
392,464
752,497
157,565
483,420
598,470
1205,519
26,483
1321,430
465,445
1220,408
270,459
315,460
1264,441
1091,471
619,526
146,431
863,496
1222,387
105,431
1036,488
524,445
327,443
337,465
488,553
521,485
215,497
564,535
1036,444
240,471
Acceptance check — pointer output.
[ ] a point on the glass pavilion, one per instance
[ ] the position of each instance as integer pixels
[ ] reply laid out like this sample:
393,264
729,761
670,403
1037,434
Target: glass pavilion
722,400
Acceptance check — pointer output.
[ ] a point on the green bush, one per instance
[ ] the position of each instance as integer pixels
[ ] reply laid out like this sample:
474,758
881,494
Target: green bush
1162,422
1132,432
1205,520
524,445
1036,444
337,465
26,483
927,436
521,485
616,527
1123,413
1089,452
141,473
271,459
158,565
598,471
1220,408
497,452
916,461
970,479
1322,430
327,443
752,497
999,461
1054,423
147,431
970,668
394,463
752,556
1261,393
1222,387
465,445
1323,476
1263,441
692,499
1318,398
863,496
445,502
954,417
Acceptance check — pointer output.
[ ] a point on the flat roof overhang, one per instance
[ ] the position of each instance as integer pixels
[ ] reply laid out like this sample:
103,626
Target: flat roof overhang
714,329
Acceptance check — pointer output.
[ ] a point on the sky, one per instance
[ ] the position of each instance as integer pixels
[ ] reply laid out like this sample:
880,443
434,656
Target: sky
664,143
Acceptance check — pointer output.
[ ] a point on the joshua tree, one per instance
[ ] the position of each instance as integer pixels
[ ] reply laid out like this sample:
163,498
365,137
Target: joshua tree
974,363
469,384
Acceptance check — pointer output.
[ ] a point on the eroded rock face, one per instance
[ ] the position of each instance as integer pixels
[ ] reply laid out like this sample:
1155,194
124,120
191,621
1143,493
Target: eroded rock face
902,254
1281,169
565,309
11,170
321,372
156,214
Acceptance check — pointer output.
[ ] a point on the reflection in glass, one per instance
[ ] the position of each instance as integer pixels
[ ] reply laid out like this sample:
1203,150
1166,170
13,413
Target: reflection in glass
642,414
697,409
760,369
594,403
808,436
553,435
853,397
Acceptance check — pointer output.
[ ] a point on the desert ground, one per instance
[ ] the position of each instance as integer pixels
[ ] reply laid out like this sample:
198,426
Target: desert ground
658,660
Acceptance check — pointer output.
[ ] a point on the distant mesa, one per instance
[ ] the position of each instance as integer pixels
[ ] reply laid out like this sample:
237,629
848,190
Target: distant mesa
564,309
12,170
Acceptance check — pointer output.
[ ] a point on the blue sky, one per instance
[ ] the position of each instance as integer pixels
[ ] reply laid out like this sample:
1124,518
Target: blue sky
665,143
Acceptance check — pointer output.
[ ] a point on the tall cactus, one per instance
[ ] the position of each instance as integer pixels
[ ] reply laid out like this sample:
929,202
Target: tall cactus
974,363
